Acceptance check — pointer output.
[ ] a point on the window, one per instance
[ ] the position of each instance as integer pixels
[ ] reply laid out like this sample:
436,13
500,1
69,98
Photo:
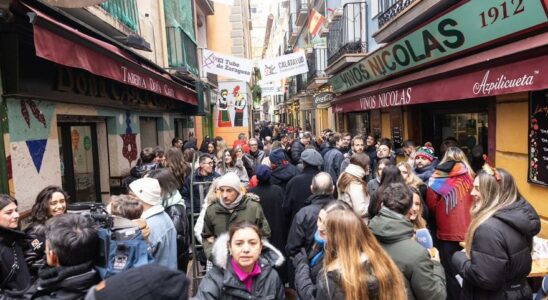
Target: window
149,132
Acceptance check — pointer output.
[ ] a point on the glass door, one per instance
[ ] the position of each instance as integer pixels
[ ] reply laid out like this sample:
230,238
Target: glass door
79,161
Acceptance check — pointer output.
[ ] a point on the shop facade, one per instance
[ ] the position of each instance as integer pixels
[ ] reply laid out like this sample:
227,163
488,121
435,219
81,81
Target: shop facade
79,121
476,85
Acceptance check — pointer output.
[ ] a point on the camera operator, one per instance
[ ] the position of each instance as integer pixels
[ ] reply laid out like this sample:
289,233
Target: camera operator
72,244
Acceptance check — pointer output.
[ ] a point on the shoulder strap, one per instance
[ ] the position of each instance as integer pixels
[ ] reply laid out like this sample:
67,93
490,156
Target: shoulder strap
14,268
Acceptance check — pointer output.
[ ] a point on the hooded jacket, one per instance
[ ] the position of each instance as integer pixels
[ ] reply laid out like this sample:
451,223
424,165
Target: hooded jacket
222,283
218,219
448,198
425,278
67,283
282,174
500,255
304,225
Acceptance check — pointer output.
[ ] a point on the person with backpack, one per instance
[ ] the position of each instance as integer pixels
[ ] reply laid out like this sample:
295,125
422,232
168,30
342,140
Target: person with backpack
72,244
175,208
163,236
145,164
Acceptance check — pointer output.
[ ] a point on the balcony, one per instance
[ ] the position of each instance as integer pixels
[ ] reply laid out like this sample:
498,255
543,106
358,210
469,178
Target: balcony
182,55
302,12
398,17
207,7
347,37
317,63
293,29
301,81
125,11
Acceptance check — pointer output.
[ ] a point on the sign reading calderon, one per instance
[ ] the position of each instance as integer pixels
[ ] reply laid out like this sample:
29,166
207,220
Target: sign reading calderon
283,66
469,25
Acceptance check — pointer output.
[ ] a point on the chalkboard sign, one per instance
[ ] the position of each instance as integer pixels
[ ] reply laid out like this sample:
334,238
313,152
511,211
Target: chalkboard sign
538,138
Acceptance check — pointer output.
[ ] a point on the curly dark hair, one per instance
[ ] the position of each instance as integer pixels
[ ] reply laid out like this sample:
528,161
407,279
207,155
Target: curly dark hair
39,212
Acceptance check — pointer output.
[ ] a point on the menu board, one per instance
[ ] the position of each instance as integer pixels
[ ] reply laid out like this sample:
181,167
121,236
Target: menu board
538,138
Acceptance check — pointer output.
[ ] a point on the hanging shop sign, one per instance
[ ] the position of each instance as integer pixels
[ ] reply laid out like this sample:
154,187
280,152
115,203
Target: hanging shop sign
538,138
323,100
468,26
228,66
522,76
283,66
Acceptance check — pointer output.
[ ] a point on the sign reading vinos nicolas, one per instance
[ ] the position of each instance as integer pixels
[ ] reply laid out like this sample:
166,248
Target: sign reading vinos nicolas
469,25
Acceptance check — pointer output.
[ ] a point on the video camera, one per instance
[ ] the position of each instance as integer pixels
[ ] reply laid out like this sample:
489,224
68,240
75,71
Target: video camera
95,211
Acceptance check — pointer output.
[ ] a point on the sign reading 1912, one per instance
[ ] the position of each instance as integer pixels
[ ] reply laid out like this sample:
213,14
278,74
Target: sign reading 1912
467,26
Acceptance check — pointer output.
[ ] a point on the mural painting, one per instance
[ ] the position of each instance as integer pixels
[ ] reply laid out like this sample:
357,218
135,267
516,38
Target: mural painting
232,105
129,150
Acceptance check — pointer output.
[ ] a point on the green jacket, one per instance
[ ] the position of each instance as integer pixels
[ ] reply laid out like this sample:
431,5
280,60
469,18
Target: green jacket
218,219
425,278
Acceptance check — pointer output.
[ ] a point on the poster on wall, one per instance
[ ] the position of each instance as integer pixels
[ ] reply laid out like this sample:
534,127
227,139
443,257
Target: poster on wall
538,138
231,105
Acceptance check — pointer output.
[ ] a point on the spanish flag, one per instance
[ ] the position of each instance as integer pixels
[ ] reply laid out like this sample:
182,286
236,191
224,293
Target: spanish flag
315,21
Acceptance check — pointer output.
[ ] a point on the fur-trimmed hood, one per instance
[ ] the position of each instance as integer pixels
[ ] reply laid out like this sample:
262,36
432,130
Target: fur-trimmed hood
220,252
247,195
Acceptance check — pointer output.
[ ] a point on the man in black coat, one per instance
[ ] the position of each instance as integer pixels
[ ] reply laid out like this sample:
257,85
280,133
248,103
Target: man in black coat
304,225
72,244
254,158
272,198
297,191
298,147
204,175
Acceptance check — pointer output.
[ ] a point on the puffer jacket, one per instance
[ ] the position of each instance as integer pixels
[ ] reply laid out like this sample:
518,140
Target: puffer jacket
500,255
218,219
222,283
175,208
424,278
34,247
10,248
67,283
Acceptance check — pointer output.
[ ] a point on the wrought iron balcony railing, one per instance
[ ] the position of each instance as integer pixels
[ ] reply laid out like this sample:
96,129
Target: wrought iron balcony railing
181,51
390,9
124,11
317,62
348,33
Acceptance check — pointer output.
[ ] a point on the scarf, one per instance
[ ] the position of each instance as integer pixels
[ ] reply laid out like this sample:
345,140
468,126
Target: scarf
452,182
230,207
321,244
246,278
355,170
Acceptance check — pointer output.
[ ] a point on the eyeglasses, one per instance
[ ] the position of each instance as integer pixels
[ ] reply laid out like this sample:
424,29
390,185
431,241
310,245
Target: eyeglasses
211,163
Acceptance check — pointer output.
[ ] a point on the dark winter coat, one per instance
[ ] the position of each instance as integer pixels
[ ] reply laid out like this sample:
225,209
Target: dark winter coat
222,283
137,172
252,161
304,225
306,276
10,248
67,283
282,174
197,189
218,219
372,187
296,149
329,287
372,153
265,131
501,255
425,278
332,163
298,191
272,198
34,247
177,214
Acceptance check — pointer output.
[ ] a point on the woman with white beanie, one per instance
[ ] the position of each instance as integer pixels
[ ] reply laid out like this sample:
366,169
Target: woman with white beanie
352,187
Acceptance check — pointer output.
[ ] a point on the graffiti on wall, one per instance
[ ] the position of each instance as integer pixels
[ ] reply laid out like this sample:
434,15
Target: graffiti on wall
232,105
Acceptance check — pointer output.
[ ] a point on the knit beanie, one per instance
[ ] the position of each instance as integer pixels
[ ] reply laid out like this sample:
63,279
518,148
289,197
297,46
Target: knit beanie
230,180
263,173
426,153
147,190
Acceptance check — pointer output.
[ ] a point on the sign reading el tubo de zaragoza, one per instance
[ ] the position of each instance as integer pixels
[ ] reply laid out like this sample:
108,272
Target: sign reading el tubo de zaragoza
471,24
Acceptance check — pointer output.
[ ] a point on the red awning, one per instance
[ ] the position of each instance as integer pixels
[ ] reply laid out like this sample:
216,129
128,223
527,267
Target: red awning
435,84
100,58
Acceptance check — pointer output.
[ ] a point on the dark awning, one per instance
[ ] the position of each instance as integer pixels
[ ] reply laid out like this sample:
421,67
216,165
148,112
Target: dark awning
67,46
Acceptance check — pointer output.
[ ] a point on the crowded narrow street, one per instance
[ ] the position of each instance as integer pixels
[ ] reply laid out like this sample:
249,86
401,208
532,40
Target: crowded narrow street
274,149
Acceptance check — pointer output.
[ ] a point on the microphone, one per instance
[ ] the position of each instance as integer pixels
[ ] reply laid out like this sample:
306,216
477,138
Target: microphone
424,238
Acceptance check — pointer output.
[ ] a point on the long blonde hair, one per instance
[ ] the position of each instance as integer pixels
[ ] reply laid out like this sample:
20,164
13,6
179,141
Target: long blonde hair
494,195
348,239
419,222
412,179
362,160
456,154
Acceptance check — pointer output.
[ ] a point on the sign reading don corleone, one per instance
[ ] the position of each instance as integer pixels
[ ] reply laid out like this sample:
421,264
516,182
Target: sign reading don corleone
228,66
283,66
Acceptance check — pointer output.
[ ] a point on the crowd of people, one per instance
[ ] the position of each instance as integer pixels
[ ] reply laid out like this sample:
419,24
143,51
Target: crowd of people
285,214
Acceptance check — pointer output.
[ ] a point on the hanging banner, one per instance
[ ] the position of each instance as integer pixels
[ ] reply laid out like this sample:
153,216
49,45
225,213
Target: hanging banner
271,89
226,2
283,66
228,66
